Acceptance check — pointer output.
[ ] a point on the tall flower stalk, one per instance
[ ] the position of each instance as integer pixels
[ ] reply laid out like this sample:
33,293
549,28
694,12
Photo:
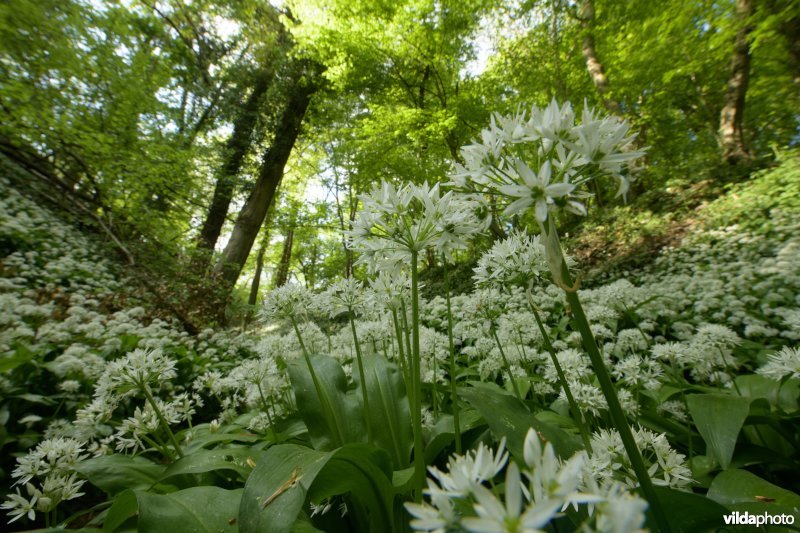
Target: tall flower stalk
452,358
394,226
520,260
288,303
539,162
347,296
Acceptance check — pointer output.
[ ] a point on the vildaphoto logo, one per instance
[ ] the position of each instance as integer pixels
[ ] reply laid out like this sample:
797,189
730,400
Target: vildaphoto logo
749,519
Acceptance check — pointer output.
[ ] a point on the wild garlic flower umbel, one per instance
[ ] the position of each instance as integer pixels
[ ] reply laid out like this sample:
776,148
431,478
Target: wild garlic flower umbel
128,375
397,222
389,290
610,463
514,261
782,365
540,160
48,477
532,494
345,296
286,302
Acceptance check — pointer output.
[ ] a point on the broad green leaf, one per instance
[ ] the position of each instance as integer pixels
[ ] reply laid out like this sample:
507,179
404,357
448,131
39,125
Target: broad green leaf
508,417
442,434
206,438
124,507
304,525
662,394
702,466
690,512
115,473
209,460
388,403
783,395
194,510
334,419
272,479
719,418
740,486
402,479
35,398
21,356
364,472
287,474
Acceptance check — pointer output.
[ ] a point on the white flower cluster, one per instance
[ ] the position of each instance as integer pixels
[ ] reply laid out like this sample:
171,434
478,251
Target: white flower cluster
516,260
610,464
782,364
46,472
396,222
286,302
539,160
531,497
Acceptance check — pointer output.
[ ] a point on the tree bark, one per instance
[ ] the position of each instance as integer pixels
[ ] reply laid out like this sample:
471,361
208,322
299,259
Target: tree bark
282,275
593,64
235,150
731,129
252,299
255,208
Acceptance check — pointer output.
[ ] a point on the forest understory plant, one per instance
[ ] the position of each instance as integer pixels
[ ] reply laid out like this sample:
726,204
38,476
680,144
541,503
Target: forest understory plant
530,403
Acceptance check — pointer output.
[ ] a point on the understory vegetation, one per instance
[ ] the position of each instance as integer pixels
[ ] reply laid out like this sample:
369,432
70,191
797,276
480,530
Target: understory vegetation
114,417
337,265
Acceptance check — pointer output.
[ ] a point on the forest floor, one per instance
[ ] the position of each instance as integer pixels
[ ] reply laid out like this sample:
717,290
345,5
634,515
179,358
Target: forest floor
726,264
629,236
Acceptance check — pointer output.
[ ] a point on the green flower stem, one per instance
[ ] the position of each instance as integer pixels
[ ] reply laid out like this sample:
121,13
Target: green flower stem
299,337
400,351
323,399
407,336
416,411
364,395
157,444
573,405
644,335
146,389
266,407
508,366
618,417
434,392
453,384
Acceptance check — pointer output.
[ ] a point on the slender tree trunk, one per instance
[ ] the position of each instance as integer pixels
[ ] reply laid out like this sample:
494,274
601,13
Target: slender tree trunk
731,130
252,299
255,208
235,150
337,187
282,275
310,270
431,257
593,64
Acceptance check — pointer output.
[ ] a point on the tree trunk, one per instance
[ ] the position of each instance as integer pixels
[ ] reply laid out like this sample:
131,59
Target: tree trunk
235,150
282,275
593,64
252,299
734,149
255,208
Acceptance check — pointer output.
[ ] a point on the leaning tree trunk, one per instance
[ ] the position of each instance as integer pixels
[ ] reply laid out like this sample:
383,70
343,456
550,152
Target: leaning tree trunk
731,129
255,208
235,150
593,64
282,275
